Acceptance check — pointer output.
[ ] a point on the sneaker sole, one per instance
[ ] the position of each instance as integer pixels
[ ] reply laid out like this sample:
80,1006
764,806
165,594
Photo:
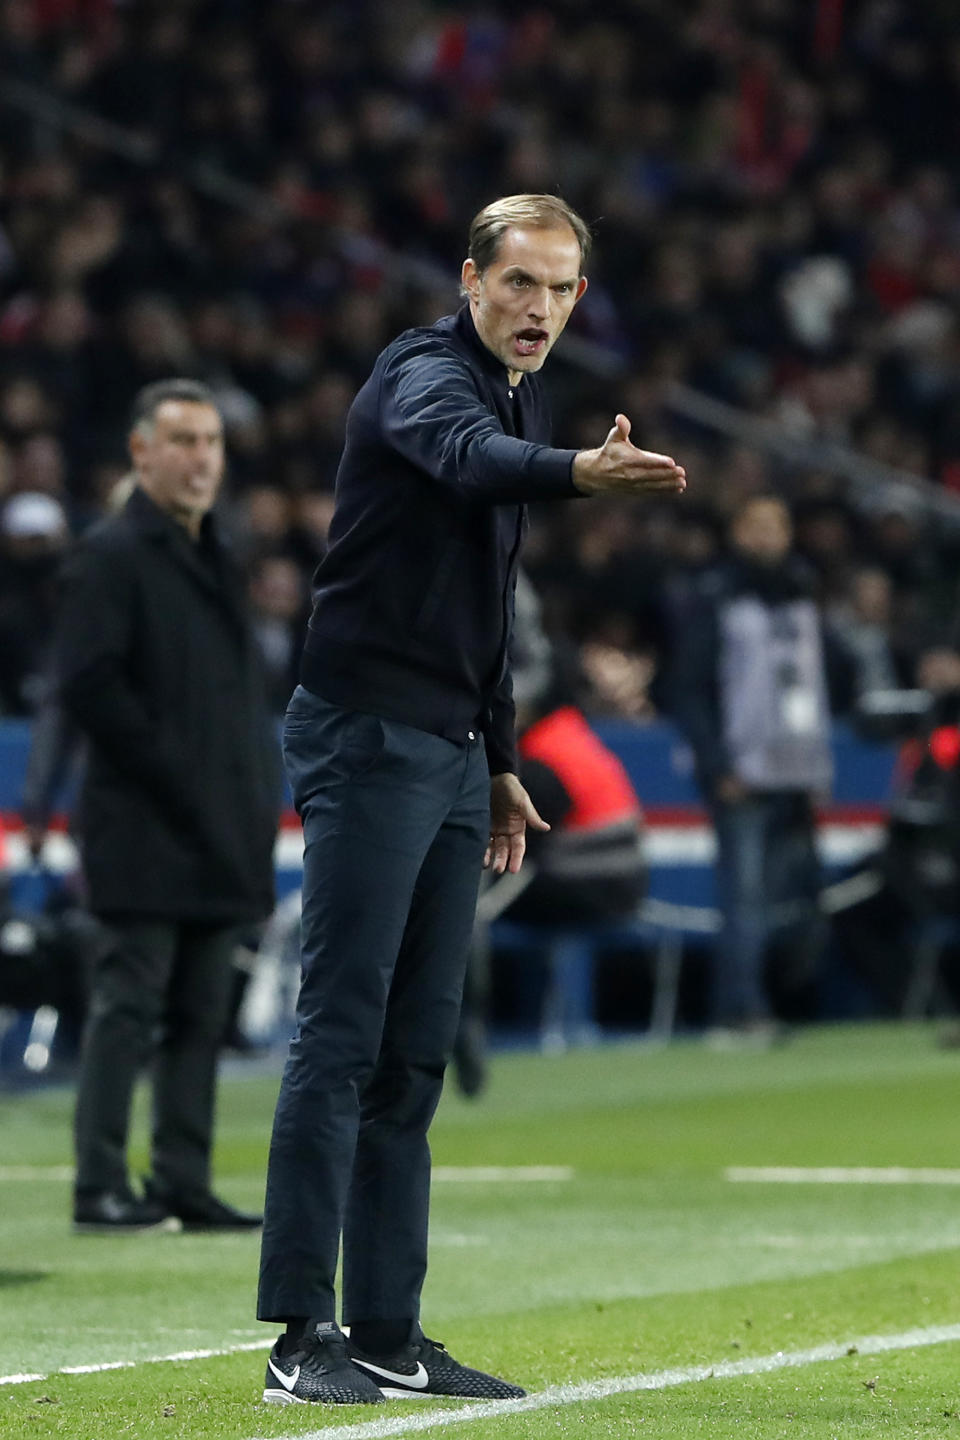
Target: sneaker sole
170,1225
284,1397
390,1392
281,1397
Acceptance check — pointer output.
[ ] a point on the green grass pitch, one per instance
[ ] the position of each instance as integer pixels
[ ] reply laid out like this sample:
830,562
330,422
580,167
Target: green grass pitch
666,1297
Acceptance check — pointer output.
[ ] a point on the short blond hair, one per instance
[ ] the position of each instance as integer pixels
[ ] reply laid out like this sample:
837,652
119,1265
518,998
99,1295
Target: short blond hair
535,212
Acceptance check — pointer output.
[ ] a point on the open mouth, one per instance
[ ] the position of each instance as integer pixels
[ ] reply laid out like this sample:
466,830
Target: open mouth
530,342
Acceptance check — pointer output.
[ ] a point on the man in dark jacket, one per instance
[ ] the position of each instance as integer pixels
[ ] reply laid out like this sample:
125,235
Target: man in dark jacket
158,669
400,750
749,688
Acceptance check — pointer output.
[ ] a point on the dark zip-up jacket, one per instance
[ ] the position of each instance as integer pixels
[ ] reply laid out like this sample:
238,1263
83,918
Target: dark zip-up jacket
413,603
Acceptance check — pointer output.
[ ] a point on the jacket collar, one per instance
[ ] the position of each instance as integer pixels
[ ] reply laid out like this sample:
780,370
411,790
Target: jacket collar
147,517
773,584
465,328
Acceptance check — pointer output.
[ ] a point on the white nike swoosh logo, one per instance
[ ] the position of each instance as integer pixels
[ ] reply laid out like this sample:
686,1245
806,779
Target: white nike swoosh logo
419,1380
287,1381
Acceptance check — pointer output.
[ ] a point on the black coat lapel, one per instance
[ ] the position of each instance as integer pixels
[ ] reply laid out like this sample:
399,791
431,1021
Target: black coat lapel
214,571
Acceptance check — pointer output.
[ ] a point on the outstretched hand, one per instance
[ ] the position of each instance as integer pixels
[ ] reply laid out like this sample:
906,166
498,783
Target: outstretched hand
618,467
511,811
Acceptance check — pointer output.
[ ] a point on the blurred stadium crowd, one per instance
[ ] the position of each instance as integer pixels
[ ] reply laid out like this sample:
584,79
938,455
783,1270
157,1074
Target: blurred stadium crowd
261,193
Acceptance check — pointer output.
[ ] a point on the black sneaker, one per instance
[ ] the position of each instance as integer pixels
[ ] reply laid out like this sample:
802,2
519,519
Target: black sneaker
120,1212
423,1367
318,1370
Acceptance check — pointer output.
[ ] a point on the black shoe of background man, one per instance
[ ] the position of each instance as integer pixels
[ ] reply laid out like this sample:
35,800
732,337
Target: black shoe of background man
120,1212
423,1367
318,1369
202,1210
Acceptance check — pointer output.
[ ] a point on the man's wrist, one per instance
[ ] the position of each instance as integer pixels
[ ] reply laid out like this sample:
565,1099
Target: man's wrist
581,471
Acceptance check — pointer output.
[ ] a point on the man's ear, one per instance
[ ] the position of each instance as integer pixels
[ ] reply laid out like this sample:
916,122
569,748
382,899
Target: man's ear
470,279
581,289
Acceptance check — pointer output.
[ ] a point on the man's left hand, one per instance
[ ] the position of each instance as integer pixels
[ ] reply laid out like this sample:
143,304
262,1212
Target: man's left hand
511,811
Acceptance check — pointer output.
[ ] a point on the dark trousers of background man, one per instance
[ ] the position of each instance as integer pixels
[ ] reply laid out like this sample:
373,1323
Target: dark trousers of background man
768,879
161,988
395,825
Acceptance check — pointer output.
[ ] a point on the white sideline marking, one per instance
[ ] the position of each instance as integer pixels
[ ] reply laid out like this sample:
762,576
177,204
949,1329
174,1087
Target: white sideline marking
457,1241
445,1174
626,1384
840,1175
36,1172
554,1394
263,1344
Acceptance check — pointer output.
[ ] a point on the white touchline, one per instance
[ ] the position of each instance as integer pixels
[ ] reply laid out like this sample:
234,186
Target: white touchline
262,1344
625,1384
474,1174
554,1394
36,1172
839,1175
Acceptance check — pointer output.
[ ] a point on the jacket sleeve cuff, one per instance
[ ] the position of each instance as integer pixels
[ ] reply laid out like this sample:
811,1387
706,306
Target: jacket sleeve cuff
551,471
500,739
501,759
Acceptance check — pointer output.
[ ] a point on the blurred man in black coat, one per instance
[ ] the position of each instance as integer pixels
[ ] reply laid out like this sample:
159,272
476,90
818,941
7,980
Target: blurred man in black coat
158,668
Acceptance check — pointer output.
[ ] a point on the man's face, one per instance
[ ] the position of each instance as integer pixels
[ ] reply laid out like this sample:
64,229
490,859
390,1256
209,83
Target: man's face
179,459
763,532
521,302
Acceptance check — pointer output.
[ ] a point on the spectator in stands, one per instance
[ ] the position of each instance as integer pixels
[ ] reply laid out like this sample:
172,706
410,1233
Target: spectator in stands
34,533
860,623
591,865
749,689
896,937
57,748
923,849
157,667
774,237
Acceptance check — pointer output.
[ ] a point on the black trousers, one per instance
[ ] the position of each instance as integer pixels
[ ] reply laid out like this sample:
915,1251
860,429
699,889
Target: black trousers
395,825
160,989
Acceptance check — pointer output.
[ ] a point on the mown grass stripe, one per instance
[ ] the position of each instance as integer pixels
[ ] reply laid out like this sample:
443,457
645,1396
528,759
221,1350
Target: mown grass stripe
556,1395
